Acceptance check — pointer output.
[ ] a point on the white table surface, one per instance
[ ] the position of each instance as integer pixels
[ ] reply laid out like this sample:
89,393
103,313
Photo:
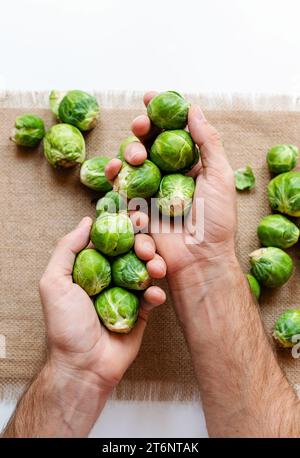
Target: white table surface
215,46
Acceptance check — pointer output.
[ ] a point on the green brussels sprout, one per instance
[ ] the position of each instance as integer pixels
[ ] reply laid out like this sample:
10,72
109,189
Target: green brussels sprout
91,271
55,98
79,109
64,146
130,272
287,325
254,286
112,233
118,309
244,178
28,131
174,151
168,110
284,193
92,174
282,158
141,181
271,266
277,231
175,195
124,144
112,202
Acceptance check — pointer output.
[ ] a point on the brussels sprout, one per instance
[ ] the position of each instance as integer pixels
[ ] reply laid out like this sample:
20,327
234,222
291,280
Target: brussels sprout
92,174
282,158
244,178
112,202
28,131
91,271
112,233
284,193
287,325
124,144
271,266
278,231
174,151
175,195
141,181
254,286
64,146
79,109
55,98
130,272
168,110
118,309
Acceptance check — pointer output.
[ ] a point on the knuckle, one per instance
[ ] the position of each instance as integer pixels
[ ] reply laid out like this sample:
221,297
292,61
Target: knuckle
229,175
214,137
44,283
50,282
62,241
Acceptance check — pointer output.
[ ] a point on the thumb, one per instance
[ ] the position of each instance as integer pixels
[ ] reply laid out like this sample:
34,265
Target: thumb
62,259
208,140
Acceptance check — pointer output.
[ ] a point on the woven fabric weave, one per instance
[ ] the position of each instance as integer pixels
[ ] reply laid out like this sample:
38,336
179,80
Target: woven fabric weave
39,205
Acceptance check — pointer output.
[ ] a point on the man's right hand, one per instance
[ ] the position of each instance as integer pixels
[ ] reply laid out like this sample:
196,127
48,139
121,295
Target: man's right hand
214,185
243,390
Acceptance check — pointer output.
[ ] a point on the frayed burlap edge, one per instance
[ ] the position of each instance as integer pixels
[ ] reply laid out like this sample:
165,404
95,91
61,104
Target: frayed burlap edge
133,99
155,391
129,391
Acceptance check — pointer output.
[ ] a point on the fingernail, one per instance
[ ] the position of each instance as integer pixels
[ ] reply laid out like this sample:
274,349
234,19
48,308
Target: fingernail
198,113
132,156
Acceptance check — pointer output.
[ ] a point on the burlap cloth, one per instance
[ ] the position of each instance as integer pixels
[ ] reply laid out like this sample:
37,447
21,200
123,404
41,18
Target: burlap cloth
39,205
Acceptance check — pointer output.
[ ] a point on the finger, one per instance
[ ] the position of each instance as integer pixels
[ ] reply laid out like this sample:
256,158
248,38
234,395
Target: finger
144,130
149,96
156,267
144,247
208,140
141,126
153,297
140,221
112,169
135,153
63,257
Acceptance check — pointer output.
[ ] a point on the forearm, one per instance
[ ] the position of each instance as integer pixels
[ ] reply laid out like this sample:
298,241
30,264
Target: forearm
59,403
243,390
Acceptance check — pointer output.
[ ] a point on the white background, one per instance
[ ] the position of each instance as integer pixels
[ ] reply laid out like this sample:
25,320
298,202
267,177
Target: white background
214,46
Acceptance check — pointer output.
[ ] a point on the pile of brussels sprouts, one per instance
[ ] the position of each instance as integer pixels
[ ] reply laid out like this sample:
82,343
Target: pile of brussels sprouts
271,266
64,144
172,154
110,272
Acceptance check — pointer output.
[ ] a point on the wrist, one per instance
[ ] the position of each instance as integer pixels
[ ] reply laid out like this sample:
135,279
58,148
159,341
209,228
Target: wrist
204,285
78,395
58,403
85,379
211,271
208,300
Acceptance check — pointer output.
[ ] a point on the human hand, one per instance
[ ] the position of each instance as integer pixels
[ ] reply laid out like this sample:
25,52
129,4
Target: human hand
214,185
77,341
